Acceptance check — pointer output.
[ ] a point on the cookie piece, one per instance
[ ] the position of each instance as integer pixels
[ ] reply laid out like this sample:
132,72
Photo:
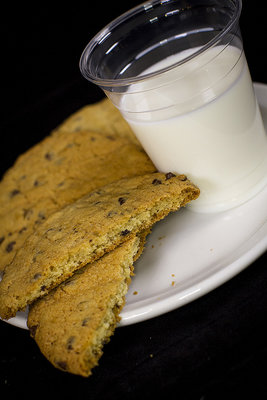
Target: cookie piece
87,305
101,117
56,172
83,231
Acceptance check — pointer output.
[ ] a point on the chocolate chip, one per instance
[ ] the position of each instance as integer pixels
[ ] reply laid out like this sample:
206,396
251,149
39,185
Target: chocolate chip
110,137
49,156
111,213
156,182
121,200
169,175
36,183
41,215
70,342
27,213
182,177
22,230
33,330
14,193
2,239
61,184
62,364
10,246
85,321
37,276
125,232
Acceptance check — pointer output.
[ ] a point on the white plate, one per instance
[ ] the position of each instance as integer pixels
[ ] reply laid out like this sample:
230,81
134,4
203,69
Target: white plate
189,254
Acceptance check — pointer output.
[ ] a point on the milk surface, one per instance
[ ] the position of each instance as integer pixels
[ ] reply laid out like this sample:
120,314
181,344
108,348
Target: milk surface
206,125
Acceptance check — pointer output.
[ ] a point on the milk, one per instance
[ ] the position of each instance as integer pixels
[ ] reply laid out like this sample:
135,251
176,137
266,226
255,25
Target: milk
202,119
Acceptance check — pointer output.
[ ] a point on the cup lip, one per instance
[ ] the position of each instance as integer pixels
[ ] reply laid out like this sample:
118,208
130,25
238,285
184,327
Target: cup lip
106,31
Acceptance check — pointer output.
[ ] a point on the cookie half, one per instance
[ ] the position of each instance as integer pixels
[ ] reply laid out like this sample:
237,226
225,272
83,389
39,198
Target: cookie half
87,305
56,172
85,230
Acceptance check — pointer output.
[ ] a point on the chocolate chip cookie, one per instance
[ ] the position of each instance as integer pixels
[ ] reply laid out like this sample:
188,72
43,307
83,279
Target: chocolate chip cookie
87,305
85,230
56,172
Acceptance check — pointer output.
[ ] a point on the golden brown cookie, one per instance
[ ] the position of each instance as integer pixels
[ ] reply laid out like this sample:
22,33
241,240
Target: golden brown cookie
101,117
83,231
87,305
56,172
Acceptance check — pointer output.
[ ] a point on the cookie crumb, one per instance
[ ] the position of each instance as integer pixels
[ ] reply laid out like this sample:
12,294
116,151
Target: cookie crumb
135,292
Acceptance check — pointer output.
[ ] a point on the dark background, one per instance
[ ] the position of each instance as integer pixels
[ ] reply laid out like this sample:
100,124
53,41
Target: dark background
213,348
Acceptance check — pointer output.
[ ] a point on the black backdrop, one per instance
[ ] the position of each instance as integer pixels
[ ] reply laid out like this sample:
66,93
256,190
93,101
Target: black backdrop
213,348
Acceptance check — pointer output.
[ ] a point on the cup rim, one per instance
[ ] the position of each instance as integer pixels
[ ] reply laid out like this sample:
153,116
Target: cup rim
106,31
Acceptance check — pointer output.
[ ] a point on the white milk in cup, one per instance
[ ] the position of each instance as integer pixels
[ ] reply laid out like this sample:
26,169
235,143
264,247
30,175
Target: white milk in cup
177,72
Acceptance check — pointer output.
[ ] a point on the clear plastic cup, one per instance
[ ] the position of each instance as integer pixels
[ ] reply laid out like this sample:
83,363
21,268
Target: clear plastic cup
177,72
